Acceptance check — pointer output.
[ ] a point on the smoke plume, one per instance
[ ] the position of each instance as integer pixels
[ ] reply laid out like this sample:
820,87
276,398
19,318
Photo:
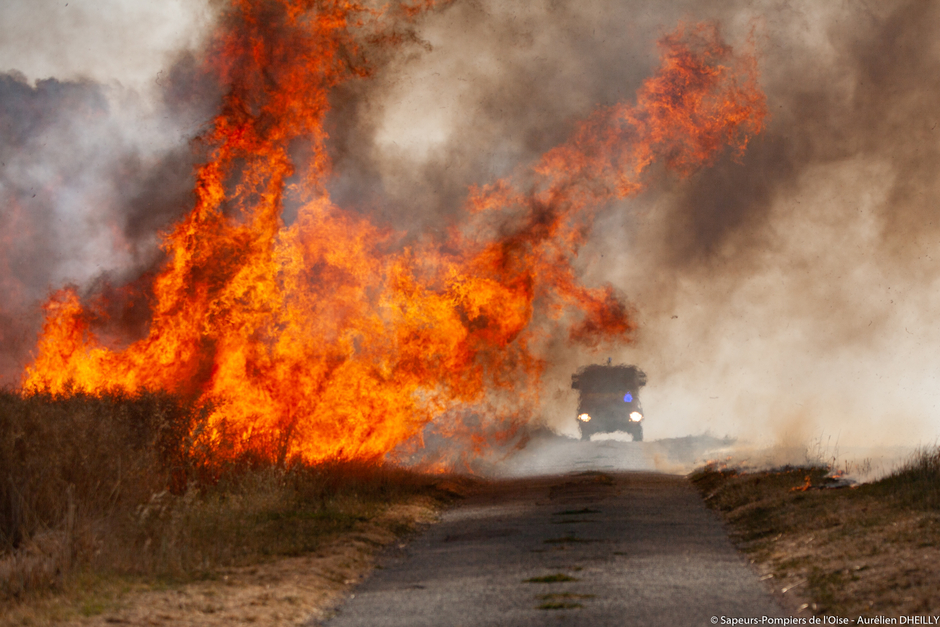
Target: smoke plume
786,296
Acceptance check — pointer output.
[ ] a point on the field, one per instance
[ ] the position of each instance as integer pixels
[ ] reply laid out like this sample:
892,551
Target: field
825,548
107,498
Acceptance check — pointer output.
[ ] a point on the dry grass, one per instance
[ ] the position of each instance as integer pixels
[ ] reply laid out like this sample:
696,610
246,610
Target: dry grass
115,493
301,590
862,551
75,469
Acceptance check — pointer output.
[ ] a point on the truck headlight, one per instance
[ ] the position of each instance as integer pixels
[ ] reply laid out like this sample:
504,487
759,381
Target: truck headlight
636,416
584,418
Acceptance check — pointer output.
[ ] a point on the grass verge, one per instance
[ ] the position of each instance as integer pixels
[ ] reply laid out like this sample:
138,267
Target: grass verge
107,498
866,550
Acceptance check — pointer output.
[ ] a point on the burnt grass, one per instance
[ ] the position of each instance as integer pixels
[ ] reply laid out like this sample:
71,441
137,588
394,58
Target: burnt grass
829,549
120,485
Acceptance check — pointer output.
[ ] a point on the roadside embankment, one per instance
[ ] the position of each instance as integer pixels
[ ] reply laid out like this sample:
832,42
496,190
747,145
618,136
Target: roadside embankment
113,511
825,547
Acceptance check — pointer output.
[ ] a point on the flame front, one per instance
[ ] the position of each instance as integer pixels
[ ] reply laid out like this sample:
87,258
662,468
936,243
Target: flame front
329,339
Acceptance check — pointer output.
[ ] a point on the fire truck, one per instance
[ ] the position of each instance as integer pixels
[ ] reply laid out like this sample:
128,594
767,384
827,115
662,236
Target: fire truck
608,400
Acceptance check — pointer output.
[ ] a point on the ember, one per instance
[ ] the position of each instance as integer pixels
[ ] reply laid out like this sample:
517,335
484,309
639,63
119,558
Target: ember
327,338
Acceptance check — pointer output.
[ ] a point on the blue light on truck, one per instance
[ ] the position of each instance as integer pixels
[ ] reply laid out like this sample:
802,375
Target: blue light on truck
628,398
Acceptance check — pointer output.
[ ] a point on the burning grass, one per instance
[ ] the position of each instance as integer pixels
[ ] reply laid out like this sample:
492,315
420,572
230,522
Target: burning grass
865,550
333,336
117,486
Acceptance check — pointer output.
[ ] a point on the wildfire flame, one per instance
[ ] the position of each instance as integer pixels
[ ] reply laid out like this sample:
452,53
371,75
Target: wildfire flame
326,338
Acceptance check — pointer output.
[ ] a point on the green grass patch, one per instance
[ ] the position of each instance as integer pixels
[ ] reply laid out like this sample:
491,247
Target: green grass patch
554,578
559,605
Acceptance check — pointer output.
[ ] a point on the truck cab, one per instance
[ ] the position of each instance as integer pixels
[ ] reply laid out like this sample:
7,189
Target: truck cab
608,400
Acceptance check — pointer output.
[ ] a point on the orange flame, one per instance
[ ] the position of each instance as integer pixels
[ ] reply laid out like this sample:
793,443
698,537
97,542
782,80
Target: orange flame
326,339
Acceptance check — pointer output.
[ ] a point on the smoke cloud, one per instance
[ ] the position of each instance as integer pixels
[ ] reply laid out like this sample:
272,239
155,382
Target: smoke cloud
89,176
106,41
786,295
803,279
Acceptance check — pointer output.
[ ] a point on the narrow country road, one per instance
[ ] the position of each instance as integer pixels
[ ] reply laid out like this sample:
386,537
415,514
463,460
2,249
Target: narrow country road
586,548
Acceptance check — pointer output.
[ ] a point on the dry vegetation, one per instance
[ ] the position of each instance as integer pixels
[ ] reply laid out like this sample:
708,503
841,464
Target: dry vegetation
101,497
868,550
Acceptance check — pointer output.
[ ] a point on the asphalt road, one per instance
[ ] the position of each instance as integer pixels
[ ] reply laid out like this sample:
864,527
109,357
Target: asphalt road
585,548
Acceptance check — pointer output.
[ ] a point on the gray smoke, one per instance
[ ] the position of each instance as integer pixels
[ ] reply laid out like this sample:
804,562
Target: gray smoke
89,175
804,277
785,297
124,42
98,102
